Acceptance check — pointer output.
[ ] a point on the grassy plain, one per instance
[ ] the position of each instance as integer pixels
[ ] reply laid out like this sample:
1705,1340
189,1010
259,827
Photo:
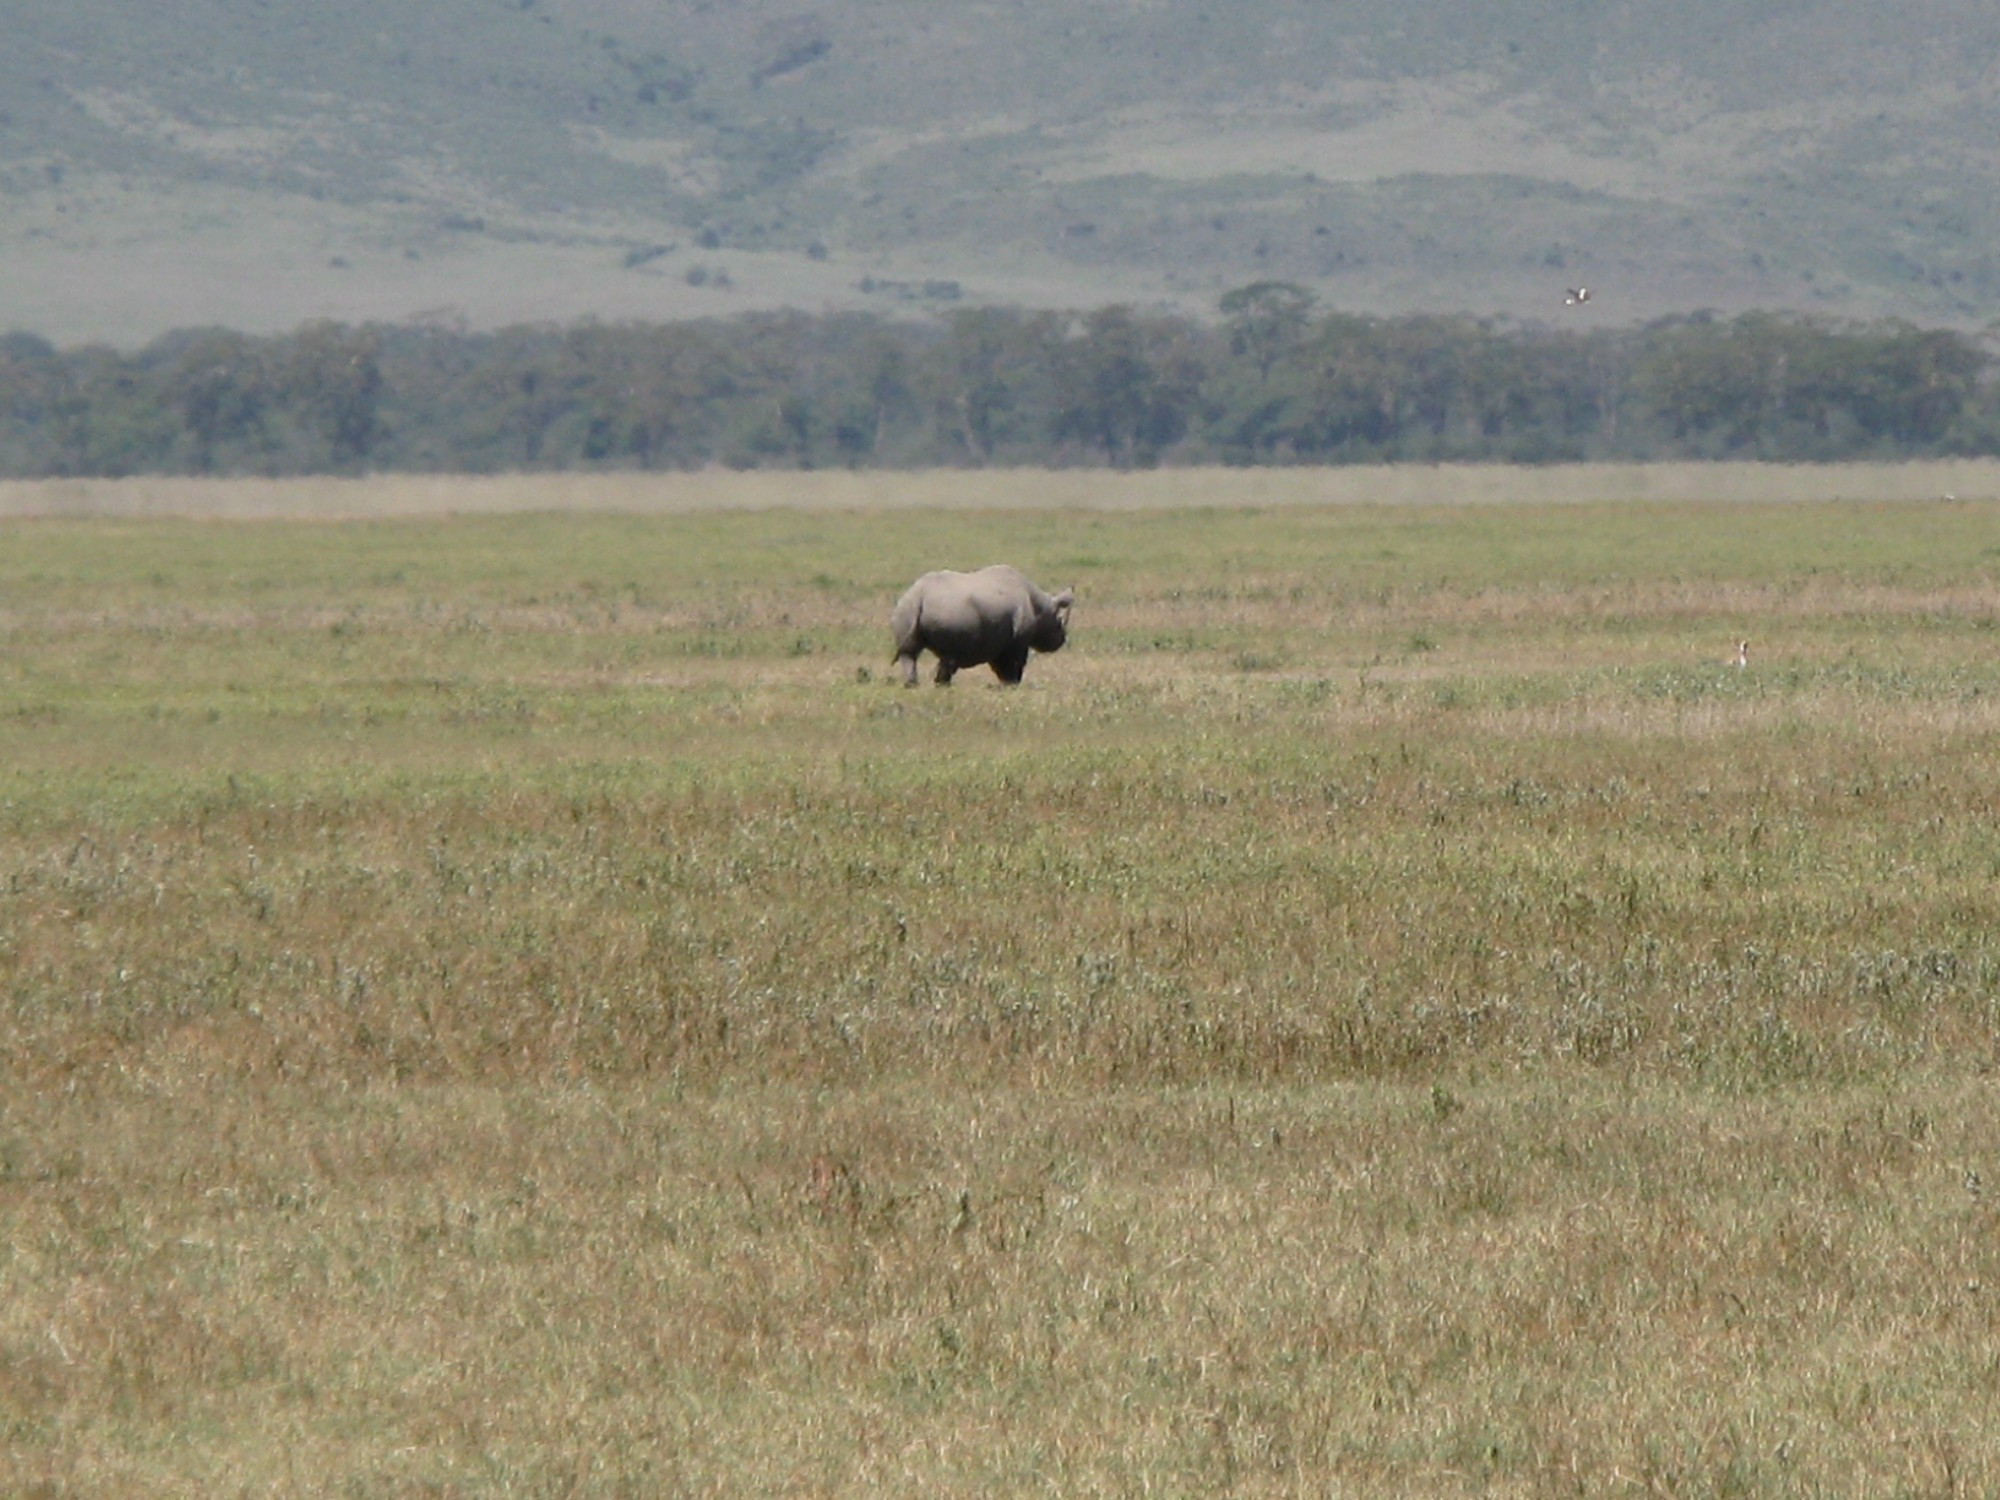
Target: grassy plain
520,1004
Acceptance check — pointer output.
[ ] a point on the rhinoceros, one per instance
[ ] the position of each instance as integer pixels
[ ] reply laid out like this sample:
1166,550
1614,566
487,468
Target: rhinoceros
994,615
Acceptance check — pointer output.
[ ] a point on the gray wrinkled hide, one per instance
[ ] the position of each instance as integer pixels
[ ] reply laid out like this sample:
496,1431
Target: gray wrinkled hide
994,616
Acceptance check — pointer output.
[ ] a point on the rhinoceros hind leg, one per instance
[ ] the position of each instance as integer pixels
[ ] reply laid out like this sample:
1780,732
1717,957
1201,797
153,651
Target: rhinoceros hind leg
942,677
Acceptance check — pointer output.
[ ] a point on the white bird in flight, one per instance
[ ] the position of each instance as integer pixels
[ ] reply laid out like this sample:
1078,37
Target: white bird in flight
1577,296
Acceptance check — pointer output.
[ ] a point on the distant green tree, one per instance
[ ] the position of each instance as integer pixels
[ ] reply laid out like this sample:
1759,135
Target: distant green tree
1353,394
1914,384
1127,386
647,392
522,399
221,384
31,384
1777,385
847,387
1266,321
333,382
1280,383
1252,403
990,384
1535,398
111,417
1711,385
1253,418
777,417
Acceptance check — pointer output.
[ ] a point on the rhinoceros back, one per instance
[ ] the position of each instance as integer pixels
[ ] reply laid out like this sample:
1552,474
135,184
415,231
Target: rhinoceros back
964,611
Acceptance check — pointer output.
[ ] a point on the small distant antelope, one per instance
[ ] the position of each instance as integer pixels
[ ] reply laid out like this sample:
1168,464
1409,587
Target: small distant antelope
1577,296
1742,653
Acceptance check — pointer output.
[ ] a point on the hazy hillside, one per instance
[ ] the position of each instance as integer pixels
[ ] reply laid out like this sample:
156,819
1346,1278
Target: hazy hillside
255,164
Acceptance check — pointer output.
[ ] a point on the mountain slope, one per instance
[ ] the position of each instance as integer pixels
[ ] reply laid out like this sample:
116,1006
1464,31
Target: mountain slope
245,163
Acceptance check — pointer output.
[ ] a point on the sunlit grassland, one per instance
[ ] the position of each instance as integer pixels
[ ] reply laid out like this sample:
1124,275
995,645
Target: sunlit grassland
521,1004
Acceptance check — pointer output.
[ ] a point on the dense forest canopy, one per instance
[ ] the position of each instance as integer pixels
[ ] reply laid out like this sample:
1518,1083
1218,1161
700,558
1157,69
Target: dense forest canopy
1273,380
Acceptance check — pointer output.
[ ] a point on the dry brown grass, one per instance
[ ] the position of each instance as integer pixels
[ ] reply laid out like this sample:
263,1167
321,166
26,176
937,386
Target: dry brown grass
524,1007
1347,1289
989,489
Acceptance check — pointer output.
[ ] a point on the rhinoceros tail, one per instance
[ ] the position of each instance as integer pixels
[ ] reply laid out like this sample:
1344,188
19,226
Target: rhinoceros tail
906,622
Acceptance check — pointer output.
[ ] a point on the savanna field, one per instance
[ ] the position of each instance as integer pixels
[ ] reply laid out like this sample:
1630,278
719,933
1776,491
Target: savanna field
523,1004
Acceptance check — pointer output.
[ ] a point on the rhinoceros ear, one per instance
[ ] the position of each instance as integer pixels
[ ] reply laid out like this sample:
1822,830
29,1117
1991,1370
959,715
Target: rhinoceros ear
1064,600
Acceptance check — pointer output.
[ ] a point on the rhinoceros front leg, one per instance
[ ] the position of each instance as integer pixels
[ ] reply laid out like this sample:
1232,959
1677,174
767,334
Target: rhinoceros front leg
1009,668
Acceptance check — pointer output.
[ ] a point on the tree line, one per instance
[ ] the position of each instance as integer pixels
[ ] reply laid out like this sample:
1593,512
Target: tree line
1272,380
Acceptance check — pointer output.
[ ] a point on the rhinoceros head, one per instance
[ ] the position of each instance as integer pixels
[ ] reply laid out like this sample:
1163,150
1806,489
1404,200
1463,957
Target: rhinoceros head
1052,627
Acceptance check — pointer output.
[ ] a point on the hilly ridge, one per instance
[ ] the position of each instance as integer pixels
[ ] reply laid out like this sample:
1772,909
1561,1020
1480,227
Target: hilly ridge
493,161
